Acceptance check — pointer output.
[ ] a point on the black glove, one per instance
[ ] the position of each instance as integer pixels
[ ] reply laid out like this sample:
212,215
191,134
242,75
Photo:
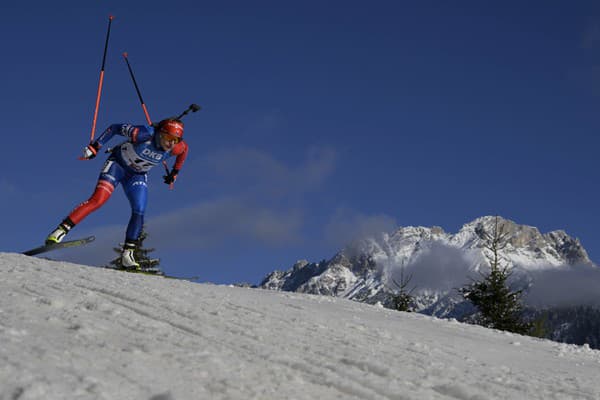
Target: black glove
90,151
171,176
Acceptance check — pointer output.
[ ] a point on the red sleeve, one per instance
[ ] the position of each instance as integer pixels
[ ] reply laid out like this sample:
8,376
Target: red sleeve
181,151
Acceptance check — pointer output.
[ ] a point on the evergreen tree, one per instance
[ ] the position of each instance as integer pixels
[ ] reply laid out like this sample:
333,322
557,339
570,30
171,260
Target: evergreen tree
141,256
499,307
539,325
401,299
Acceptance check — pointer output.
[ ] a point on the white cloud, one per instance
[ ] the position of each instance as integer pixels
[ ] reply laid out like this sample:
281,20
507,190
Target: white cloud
211,224
252,171
347,226
441,267
573,285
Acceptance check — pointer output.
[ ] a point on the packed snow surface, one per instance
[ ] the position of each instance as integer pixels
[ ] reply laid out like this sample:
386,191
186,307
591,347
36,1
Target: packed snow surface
76,332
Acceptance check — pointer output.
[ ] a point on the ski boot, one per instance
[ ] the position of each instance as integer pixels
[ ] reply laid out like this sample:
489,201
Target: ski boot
128,256
57,235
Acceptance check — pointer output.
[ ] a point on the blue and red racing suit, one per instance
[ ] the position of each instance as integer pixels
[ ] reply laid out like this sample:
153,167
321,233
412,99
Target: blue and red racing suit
129,164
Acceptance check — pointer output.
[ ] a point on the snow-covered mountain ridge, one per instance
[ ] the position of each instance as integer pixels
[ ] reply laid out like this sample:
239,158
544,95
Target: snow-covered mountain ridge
438,262
76,332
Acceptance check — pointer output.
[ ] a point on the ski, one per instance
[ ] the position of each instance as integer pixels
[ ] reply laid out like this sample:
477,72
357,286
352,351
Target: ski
155,273
138,271
62,245
183,278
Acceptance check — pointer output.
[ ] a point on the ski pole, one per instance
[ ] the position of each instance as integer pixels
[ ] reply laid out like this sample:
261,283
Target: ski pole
192,107
137,89
110,18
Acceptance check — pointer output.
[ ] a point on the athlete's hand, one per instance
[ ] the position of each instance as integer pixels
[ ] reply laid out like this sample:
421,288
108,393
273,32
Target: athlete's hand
171,176
90,151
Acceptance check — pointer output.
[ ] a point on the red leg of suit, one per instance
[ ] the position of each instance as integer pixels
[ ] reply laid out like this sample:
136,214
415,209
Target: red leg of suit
104,190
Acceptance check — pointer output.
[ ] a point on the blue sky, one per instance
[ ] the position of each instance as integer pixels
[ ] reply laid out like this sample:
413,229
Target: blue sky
321,121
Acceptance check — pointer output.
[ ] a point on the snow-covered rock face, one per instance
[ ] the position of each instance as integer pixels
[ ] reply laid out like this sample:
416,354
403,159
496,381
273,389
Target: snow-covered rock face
437,261
527,248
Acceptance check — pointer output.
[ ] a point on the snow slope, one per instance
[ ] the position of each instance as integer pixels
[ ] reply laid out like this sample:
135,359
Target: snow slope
76,332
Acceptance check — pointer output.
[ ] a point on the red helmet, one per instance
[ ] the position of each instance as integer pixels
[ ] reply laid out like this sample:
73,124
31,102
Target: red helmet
171,126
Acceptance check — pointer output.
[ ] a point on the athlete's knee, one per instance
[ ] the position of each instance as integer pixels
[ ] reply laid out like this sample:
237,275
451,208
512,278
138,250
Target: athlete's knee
137,193
138,204
102,193
138,209
135,226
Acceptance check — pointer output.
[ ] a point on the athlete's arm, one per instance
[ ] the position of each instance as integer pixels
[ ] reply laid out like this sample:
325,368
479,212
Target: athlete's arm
135,134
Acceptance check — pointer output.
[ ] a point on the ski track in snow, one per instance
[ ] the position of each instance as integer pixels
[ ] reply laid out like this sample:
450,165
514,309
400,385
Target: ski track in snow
75,332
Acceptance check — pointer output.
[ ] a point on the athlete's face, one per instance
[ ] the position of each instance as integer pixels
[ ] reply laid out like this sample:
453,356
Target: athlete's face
167,142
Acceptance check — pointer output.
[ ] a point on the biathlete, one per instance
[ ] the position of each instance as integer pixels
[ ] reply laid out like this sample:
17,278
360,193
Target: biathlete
129,164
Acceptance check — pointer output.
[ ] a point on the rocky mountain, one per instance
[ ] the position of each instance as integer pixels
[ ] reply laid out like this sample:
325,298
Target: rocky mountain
435,263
